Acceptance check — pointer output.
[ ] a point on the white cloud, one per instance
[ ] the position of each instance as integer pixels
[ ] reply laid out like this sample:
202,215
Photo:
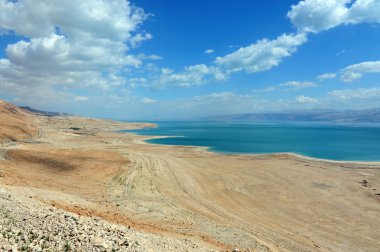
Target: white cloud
326,76
137,40
82,98
68,45
209,51
192,75
356,71
167,71
350,76
304,99
298,84
108,20
318,15
262,55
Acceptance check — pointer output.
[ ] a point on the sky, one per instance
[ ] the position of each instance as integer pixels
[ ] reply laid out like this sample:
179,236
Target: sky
189,59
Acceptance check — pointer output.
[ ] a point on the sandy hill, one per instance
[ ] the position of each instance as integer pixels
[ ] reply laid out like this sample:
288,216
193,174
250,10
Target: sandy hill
15,123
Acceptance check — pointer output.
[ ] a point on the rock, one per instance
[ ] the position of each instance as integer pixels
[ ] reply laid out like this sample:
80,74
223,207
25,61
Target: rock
104,245
36,227
37,248
7,248
124,243
97,241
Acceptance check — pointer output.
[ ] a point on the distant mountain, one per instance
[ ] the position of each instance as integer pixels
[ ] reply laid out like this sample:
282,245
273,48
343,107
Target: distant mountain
368,116
44,113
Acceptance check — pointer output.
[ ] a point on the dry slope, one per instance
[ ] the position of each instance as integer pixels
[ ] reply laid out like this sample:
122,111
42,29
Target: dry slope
15,124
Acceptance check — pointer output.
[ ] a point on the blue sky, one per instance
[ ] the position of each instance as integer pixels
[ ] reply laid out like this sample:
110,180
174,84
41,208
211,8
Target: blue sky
167,59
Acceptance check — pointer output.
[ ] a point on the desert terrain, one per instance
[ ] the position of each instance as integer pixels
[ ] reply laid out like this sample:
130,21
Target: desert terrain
173,198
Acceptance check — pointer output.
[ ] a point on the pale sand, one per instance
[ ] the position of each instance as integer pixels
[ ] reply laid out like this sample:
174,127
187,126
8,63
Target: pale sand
258,203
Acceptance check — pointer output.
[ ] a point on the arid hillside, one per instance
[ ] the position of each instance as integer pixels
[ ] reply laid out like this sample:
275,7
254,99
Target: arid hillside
15,123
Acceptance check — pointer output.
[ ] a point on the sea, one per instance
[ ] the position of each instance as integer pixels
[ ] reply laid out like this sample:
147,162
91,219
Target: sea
339,142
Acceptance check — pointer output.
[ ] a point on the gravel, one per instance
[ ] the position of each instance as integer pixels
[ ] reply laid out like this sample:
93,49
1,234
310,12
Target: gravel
29,225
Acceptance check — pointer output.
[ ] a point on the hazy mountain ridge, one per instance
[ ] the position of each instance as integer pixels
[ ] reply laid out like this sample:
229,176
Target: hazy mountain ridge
368,116
44,113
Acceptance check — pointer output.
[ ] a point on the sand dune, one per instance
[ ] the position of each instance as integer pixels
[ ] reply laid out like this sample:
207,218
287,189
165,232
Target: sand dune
254,203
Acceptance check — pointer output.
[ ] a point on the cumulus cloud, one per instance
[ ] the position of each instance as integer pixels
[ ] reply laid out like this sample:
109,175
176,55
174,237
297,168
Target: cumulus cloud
326,76
108,20
356,71
209,51
73,44
262,55
318,15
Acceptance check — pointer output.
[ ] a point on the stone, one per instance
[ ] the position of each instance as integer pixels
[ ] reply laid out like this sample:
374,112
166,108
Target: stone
105,245
7,247
97,241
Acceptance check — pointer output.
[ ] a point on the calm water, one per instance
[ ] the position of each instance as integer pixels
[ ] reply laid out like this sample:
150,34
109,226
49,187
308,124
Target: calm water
336,142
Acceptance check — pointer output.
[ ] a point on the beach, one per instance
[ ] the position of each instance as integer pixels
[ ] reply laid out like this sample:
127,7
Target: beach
279,202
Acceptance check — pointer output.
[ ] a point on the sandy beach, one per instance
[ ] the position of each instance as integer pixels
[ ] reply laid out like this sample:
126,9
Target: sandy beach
220,202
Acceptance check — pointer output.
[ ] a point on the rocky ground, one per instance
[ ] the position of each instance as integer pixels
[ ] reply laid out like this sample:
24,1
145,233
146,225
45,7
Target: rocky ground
28,225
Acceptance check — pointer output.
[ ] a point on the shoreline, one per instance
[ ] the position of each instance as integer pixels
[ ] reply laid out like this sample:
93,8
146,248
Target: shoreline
208,149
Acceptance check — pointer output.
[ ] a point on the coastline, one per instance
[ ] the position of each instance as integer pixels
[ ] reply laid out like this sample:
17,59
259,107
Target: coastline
291,154
216,201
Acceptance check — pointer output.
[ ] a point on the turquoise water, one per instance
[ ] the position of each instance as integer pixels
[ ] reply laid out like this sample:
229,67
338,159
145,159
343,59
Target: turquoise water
335,142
